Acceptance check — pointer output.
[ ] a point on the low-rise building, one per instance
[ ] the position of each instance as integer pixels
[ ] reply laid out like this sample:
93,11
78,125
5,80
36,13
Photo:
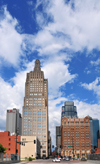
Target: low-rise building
26,146
75,137
31,147
10,142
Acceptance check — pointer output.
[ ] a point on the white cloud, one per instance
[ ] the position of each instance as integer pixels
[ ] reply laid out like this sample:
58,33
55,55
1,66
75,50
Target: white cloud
93,86
73,29
30,3
92,110
10,39
95,63
58,74
80,25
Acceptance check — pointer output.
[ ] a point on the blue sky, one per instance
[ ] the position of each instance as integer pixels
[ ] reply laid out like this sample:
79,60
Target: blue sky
65,36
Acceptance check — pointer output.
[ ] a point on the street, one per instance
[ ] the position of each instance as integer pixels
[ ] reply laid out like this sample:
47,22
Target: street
61,162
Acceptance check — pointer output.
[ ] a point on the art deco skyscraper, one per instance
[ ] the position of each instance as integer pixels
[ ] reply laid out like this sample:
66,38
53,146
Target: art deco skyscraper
35,109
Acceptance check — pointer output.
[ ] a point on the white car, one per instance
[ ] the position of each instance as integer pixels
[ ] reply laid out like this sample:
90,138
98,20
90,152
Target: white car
56,160
67,159
59,158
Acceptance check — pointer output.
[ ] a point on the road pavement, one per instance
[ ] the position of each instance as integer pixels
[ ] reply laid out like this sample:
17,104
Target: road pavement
41,161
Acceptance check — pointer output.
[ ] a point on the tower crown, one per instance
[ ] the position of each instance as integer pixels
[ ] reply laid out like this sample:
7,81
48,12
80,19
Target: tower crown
37,65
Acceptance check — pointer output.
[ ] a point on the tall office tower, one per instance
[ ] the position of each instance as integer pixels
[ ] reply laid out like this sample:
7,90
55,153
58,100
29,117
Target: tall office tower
13,121
69,110
58,139
35,109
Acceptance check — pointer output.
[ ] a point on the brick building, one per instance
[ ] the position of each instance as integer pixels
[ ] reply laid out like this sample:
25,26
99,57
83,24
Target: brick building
97,150
75,137
10,142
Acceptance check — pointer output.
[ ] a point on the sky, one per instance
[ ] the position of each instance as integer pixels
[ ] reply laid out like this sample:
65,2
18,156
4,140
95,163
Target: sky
65,36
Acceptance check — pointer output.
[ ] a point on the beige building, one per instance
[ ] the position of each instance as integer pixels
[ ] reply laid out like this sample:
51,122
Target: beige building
30,147
35,109
75,137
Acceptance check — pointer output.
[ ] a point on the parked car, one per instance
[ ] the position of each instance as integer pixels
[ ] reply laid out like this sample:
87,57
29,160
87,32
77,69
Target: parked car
83,159
64,158
59,158
56,160
67,159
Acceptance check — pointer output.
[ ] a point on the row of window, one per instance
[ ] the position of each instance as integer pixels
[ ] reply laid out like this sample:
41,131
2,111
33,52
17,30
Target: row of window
33,109
39,113
34,99
75,123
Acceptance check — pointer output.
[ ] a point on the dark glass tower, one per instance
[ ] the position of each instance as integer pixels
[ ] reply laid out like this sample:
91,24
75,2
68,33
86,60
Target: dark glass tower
69,110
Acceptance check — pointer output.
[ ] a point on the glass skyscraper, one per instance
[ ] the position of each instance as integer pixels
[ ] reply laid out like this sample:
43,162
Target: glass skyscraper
69,110
94,132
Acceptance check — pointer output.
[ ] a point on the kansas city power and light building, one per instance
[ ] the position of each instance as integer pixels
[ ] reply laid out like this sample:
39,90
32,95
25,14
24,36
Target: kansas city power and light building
35,109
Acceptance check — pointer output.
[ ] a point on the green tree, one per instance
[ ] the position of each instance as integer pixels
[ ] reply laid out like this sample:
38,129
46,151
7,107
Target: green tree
2,149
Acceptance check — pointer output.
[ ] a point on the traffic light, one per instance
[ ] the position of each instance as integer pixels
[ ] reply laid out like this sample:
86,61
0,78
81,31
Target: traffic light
16,151
34,141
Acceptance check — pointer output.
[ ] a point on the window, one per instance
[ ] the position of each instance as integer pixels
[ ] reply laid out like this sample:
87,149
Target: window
64,122
77,122
43,117
43,114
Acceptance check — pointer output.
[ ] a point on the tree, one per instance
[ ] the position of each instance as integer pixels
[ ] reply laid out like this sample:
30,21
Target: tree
2,149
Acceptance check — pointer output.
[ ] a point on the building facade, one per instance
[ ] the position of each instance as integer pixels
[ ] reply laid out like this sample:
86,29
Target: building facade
75,137
49,144
97,150
10,142
31,147
94,132
13,121
69,110
58,139
35,109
